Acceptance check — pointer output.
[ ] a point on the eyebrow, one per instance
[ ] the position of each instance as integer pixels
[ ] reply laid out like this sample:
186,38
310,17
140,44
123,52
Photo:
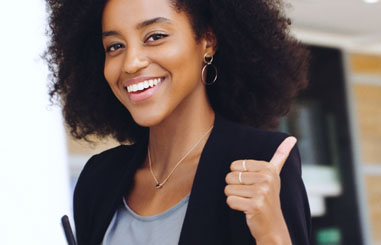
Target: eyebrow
152,21
140,25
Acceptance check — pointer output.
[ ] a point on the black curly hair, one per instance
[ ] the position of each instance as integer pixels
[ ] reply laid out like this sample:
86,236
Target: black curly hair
255,53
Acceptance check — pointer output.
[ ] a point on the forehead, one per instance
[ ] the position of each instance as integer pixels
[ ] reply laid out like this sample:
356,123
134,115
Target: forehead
130,12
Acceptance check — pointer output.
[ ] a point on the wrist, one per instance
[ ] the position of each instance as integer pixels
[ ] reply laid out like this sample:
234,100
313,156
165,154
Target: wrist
274,239
276,235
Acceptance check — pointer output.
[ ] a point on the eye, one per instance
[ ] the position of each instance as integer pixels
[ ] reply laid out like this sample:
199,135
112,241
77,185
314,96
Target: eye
114,47
156,36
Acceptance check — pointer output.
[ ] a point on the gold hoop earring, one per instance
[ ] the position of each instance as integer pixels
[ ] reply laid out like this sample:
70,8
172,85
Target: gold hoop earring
208,63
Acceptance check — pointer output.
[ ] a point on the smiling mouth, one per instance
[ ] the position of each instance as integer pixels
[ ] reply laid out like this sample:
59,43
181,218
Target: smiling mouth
142,86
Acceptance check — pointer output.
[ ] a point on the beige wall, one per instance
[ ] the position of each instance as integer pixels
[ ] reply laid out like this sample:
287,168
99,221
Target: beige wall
366,64
373,188
367,100
81,147
368,110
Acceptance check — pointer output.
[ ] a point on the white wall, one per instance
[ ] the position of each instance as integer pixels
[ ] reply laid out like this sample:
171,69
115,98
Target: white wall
34,183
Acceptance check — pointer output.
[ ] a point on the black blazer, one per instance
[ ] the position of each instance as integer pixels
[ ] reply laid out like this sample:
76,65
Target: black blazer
108,176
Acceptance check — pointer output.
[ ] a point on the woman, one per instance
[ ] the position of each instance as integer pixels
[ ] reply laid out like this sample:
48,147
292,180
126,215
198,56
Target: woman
191,86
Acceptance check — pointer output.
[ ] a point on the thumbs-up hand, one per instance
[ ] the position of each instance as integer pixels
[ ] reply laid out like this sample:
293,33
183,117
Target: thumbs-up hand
254,187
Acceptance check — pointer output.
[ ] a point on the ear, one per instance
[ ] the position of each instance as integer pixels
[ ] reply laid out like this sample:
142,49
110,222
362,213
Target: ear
209,41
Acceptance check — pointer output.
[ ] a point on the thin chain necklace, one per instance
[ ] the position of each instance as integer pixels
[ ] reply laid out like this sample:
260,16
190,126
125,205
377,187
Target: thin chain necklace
158,184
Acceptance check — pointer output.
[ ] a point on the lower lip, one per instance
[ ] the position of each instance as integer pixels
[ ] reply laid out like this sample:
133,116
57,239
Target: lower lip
145,94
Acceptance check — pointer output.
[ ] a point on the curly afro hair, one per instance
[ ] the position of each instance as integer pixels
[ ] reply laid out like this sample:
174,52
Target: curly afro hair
255,53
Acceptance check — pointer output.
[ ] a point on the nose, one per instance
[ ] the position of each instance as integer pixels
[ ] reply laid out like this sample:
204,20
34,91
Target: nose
134,60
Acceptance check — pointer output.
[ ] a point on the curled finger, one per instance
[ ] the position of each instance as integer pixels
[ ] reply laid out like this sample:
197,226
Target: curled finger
248,165
247,178
239,203
240,190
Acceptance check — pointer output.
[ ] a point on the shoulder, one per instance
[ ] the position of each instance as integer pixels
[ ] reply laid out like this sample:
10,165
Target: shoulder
257,142
103,166
96,186
237,130
105,161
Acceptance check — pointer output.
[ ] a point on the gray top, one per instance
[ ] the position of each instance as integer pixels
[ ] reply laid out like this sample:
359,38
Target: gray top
127,227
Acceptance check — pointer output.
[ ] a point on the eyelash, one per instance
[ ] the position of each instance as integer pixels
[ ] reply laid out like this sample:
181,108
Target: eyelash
116,46
162,35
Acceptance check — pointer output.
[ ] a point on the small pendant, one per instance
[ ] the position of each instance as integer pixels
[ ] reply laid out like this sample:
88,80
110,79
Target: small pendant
158,186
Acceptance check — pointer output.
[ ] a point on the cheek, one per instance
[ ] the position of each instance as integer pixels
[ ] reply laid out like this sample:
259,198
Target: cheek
111,71
183,61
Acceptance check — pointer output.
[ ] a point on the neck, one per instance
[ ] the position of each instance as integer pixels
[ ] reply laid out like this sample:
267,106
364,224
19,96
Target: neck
172,138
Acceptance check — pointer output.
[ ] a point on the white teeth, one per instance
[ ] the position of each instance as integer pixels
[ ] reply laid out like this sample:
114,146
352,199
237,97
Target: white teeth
143,85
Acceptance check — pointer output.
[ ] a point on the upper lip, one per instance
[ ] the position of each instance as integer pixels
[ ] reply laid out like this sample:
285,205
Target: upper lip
138,80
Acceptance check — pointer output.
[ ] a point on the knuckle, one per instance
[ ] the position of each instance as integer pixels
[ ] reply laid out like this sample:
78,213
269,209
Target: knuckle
257,205
233,164
267,179
254,206
226,190
260,204
230,200
262,191
228,177
265,189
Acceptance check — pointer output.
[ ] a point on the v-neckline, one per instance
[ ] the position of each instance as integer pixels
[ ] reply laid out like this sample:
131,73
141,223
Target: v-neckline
206,190
126,181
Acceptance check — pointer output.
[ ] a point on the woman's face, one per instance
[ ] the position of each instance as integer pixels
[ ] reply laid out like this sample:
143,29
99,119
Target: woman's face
149,44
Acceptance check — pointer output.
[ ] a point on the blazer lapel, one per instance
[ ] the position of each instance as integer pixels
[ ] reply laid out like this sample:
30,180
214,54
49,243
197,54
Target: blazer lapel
206,220
122,182
209,220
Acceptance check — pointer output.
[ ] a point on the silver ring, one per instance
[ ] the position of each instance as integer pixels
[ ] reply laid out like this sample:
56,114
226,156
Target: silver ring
244,165
240,177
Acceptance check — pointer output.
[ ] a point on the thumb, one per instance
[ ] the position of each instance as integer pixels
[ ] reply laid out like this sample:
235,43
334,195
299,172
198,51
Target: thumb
281,154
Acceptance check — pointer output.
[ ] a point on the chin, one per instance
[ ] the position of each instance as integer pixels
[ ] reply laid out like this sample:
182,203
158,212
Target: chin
147,119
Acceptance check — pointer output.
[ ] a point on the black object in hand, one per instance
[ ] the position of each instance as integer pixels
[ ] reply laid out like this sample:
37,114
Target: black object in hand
68,231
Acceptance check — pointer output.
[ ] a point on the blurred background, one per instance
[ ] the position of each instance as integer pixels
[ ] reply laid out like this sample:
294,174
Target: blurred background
337,121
